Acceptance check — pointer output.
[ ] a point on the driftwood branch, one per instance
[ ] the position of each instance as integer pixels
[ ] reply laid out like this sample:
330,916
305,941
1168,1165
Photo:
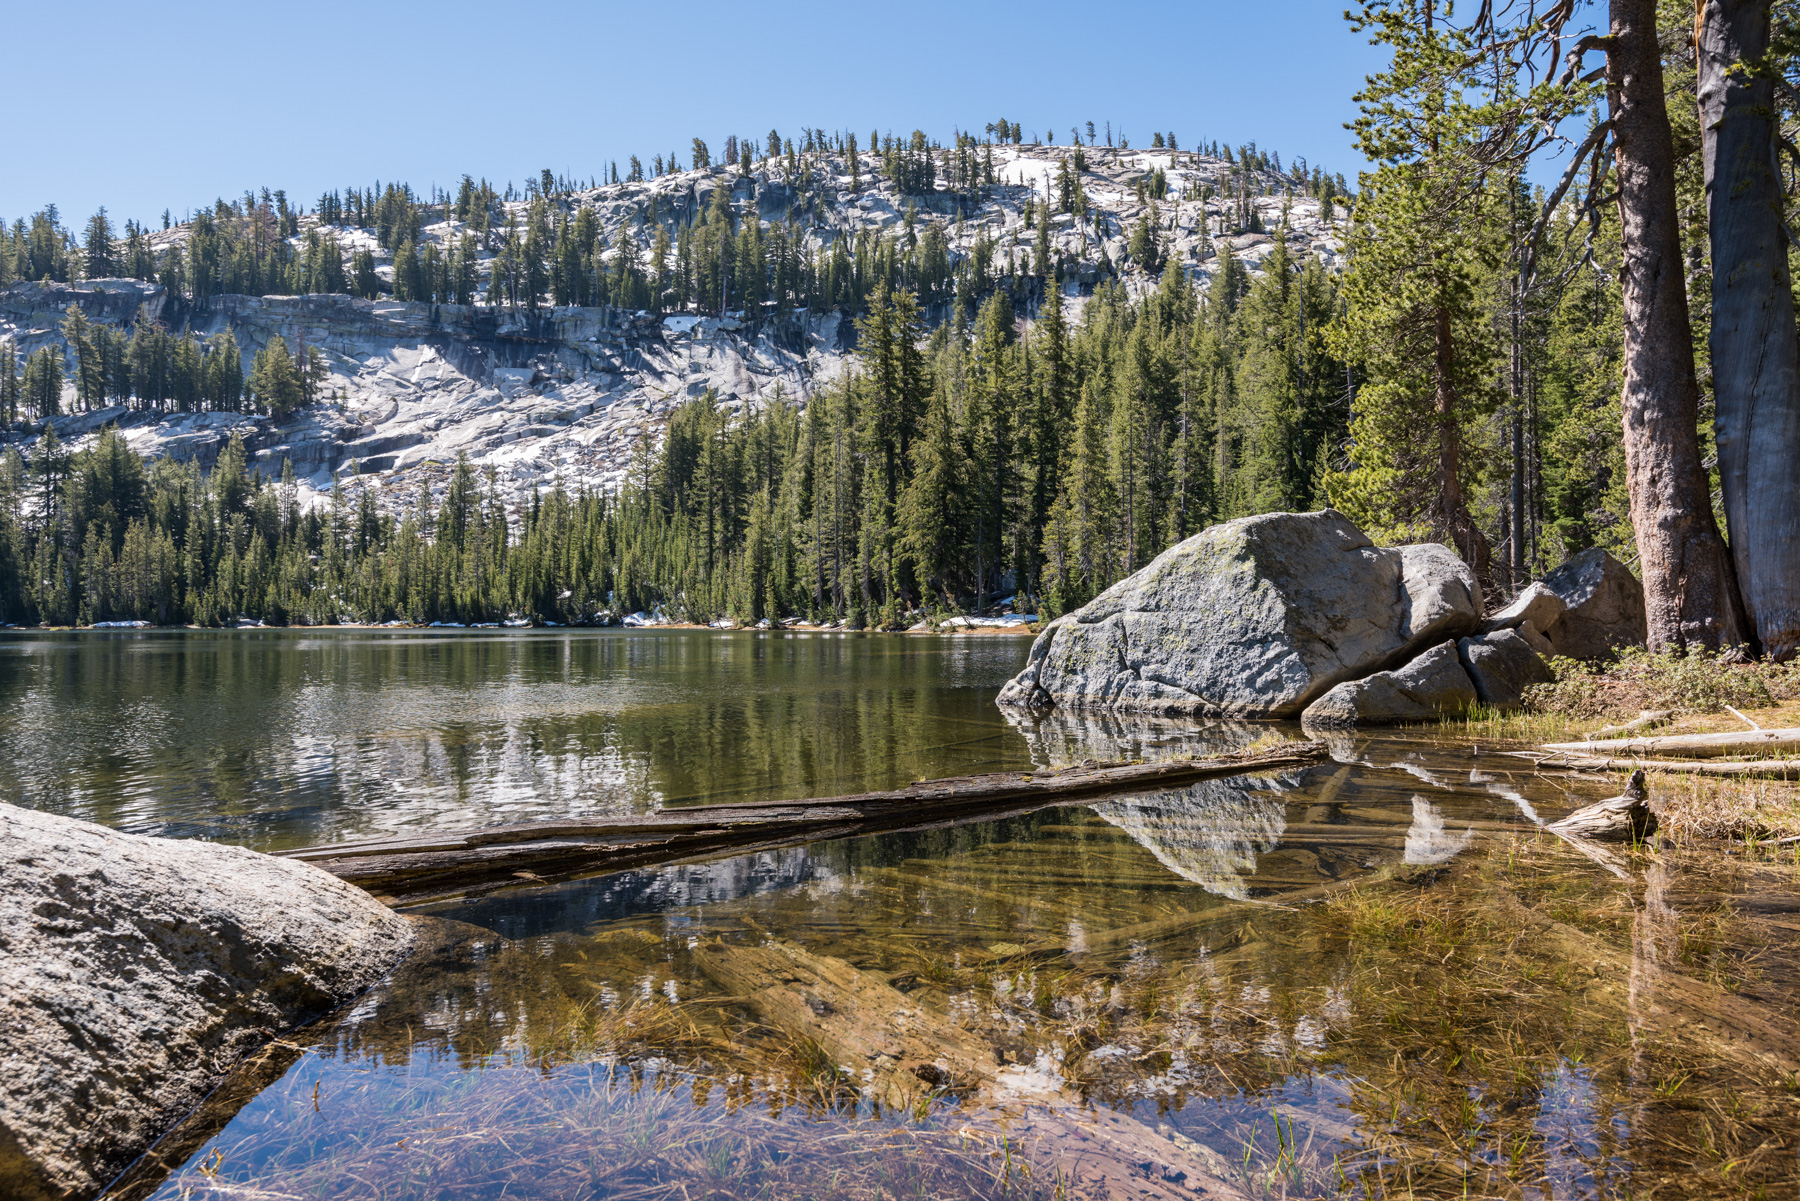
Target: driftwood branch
1624,818
1693,746
1749,769
1647,719
496,855
1753,725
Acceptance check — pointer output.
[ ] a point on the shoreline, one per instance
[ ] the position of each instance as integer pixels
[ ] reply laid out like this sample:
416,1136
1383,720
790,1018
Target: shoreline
965,631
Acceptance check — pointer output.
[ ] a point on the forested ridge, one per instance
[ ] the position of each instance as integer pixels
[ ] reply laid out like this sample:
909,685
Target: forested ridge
1058,420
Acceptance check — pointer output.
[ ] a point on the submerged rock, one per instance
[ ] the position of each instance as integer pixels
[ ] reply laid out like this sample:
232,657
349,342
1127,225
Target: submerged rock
1501,665
1433,685
1257,617
135,971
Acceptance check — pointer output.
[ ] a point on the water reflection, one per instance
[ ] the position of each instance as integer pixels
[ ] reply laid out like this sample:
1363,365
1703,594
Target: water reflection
277,738
1370,990
1210,833
1375,977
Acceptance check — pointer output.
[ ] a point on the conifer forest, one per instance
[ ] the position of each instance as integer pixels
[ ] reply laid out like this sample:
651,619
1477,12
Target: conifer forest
1063,350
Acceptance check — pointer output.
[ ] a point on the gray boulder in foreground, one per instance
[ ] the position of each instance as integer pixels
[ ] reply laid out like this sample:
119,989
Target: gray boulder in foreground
135,971
1502,665
1257,617
1432,686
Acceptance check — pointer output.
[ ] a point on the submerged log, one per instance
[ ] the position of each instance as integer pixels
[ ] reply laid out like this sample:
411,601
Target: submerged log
904,1055
1624,818
457,861
1693,746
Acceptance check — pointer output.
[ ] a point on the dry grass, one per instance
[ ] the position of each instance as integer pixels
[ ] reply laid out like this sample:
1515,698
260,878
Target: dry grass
1638,680
1707,807
1699,690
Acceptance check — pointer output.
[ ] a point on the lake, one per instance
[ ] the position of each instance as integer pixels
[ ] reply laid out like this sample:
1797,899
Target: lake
1373,977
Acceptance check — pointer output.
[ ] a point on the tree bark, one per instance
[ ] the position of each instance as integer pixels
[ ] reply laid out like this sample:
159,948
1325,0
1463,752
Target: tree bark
1690,591
1453,508
1755,350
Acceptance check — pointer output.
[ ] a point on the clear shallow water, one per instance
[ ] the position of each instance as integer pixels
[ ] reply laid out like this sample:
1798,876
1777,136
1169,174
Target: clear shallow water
1374,977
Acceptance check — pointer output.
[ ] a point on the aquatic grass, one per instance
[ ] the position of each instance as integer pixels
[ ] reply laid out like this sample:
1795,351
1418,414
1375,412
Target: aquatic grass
1471,1029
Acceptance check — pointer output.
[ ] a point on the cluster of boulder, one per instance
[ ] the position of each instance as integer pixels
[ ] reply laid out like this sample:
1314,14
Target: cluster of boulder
1290,615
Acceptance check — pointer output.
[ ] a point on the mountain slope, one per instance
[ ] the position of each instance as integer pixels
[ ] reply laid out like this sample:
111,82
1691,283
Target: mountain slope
542,392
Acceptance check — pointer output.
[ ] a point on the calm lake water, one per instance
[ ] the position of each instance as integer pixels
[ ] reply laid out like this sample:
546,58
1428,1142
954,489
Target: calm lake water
278,738
1374,977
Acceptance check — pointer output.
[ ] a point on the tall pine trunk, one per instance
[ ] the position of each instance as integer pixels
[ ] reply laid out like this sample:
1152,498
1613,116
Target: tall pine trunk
1690,593
1755,351
1452,505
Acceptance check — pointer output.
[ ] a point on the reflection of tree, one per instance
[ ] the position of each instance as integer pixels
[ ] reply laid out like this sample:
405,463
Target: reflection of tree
282,738
1210,832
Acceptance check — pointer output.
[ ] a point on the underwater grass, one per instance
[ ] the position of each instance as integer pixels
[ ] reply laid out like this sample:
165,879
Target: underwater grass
1477,1028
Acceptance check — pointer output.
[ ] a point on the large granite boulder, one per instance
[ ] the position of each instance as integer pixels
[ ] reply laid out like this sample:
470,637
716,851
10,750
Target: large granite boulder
1502,665
1432,686
1257,617
1586,609
135,971
1604,607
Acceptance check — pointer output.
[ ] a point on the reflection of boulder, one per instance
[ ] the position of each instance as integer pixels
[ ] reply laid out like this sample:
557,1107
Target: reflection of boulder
1257,617
1211,832
1059,737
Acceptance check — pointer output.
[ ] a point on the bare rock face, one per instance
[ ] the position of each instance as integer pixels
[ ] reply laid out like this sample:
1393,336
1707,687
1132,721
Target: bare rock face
1257,617
1432,686
1502,665
135,971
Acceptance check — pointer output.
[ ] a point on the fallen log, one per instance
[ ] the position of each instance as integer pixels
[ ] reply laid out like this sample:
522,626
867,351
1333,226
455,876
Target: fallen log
904,1055
1647,719
437,864
1693,746
1624,818
1750,769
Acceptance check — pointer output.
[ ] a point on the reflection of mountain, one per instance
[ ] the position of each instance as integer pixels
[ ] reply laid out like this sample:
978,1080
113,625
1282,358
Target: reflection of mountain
1059,737
1211,832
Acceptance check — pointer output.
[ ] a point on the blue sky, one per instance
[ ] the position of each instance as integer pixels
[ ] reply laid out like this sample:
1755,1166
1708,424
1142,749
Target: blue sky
171,106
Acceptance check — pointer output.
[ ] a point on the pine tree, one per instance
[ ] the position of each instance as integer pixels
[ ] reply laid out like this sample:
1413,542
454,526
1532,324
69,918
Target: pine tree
90,376
275,382
97,246
1421,247
43,383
